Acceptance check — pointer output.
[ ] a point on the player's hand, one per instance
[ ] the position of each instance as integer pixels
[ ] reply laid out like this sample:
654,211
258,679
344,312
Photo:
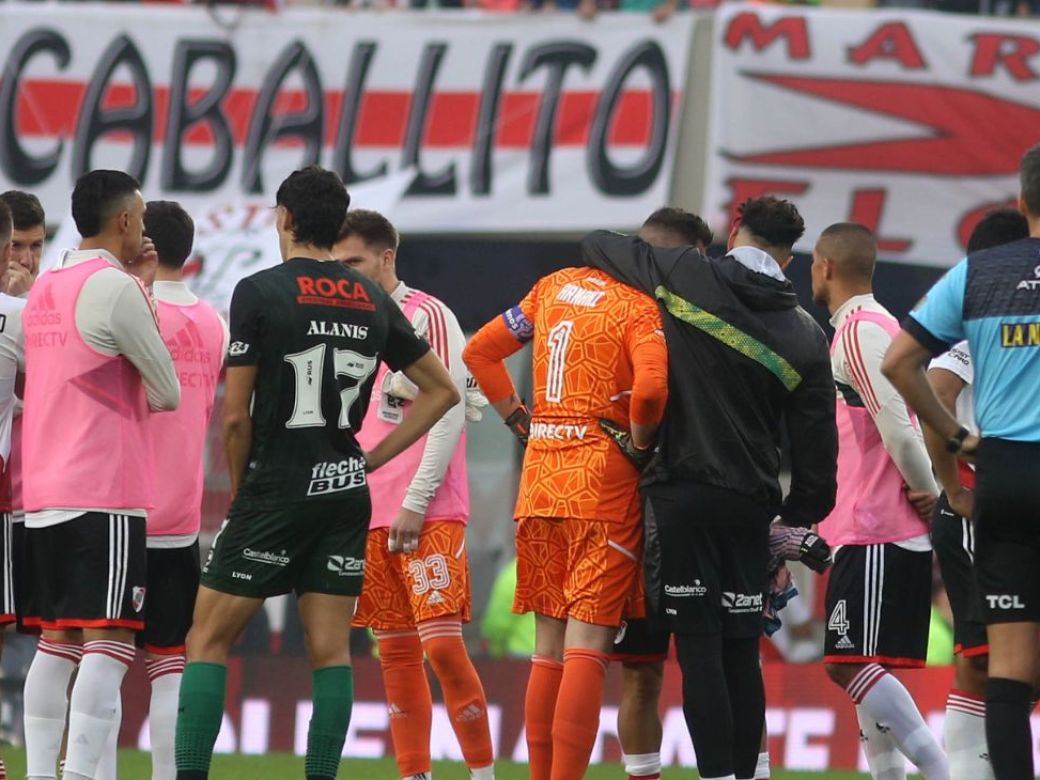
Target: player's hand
17,280
923,502
404,532
962,501
519,423
969,449
623,439
144,265
792,543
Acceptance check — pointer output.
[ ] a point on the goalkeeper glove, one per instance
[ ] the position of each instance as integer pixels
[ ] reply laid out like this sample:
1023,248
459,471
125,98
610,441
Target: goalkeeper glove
790,543
519,423
623,439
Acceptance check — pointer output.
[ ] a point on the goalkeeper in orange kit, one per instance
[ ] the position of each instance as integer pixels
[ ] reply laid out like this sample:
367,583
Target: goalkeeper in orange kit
600,388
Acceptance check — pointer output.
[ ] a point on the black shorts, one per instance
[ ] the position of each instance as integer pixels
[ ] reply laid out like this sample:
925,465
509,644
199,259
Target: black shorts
879,602
1007,530
173,582
640,641
89,572
23,590
953,538
312,547
706,555
8,592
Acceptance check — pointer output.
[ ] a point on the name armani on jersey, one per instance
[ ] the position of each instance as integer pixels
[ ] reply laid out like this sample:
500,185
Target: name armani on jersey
341,329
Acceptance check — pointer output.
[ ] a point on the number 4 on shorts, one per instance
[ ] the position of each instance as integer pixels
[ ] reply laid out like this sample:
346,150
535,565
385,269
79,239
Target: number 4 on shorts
838,620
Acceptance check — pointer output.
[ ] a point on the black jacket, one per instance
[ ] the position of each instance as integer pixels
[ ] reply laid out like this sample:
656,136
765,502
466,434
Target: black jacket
743,357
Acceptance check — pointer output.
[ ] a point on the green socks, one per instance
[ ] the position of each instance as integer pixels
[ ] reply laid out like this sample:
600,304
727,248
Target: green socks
333,701
198,718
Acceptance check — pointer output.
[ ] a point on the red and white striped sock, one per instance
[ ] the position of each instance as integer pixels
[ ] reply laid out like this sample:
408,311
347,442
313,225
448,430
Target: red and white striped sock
964,732
165,675
46,704
94,706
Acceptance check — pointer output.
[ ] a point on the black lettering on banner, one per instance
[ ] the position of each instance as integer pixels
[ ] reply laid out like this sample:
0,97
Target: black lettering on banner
357,73
186,113
481,171
557,57
613,179
266,129
95,121
442,182
20,166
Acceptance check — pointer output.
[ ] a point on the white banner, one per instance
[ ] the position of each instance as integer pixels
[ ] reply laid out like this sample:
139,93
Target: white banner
506,122
912,123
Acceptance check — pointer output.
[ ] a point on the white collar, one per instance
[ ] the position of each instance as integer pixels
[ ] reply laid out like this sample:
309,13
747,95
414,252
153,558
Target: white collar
176,293
76,256
400,292
754,259
853,303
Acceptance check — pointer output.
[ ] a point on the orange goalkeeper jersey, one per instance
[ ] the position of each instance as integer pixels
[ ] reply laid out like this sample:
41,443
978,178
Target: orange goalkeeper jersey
598,352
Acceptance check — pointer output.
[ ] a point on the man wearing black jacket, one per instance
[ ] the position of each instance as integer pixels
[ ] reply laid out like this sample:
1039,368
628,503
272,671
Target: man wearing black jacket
744,358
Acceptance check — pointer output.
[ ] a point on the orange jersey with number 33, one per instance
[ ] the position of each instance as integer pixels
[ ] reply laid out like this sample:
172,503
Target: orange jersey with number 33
593,339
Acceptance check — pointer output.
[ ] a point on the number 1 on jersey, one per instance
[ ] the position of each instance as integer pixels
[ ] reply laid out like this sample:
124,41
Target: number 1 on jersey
558,342
309,370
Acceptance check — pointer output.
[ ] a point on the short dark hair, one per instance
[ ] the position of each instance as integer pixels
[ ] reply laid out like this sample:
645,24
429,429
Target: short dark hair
852,247
318,202
1029,177
1000,226
372,227
26,210
6,224
772,221
171,230
97,196
686,225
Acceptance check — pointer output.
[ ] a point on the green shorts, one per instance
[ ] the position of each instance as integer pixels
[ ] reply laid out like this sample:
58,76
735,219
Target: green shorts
314,547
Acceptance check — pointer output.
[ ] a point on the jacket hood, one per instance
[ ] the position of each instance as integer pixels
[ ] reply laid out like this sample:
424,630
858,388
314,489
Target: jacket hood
756,290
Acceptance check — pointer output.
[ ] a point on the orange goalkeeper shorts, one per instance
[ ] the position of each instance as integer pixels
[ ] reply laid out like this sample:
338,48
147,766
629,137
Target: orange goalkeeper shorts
402,590
583,569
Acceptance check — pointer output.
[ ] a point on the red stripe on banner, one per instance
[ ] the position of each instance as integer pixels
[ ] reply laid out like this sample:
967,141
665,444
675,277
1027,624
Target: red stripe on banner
51,107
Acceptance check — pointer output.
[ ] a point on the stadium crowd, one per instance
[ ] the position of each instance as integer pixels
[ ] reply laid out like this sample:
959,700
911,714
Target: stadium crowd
650,509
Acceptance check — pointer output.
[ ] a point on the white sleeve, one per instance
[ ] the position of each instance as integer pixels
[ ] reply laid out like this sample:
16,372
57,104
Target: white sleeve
115,316
957,361
436,322
865,346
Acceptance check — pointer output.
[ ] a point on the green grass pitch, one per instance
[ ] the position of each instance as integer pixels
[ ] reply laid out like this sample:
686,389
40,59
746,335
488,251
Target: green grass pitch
136,766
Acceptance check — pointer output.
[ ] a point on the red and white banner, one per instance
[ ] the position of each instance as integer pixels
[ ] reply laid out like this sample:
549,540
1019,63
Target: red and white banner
500,122
812,723
912,123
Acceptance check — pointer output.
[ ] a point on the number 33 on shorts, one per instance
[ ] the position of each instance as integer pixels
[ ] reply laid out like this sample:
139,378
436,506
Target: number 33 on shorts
429,573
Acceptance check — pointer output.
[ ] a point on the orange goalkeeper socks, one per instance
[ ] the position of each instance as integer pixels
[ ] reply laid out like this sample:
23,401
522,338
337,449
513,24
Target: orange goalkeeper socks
408,699
576,721
463,693
543,687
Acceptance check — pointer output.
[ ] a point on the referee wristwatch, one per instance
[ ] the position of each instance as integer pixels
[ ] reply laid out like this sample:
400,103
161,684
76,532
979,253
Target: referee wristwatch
956,442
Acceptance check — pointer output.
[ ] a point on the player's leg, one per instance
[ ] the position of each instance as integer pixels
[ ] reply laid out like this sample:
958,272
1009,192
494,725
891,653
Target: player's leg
964,728
639,718
173,582
878,602
385,607
329,582
440,596
541,566
7,589
603,563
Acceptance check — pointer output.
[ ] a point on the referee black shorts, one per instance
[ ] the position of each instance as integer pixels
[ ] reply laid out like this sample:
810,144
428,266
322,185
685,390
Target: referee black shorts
706,554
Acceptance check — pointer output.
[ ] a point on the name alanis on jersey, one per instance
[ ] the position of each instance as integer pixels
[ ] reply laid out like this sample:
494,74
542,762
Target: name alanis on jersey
337,476
342,329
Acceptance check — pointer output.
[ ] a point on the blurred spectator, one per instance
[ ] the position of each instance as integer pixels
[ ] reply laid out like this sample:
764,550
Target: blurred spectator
506,633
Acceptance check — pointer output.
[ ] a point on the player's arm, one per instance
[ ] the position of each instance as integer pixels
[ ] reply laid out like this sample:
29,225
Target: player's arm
135,332
238,423
927,332
407,352
865,347
631,260
948,385
485,356
242,359
650,378
813,436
